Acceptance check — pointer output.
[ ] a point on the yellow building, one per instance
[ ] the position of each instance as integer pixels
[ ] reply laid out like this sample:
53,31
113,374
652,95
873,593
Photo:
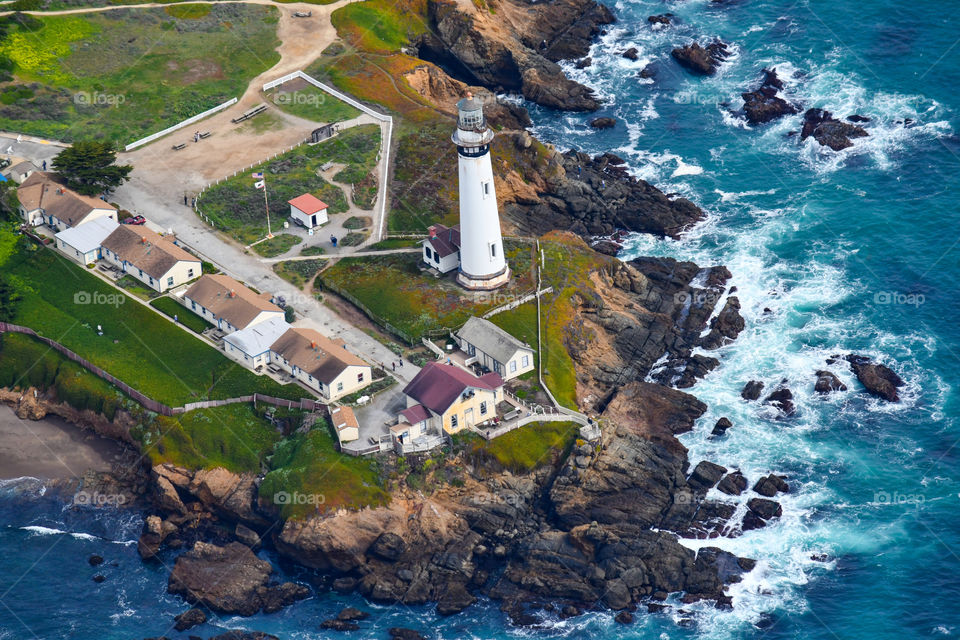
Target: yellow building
445,398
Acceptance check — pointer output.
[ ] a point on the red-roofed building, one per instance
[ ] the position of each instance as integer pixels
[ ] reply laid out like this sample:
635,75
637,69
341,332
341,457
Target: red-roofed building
308,211
441,249
443,397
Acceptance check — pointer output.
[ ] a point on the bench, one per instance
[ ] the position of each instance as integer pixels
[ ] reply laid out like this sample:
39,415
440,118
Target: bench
249,113
177,147
205,134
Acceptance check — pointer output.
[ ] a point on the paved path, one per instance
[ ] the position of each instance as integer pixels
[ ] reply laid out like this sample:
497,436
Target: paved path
161,176
357,254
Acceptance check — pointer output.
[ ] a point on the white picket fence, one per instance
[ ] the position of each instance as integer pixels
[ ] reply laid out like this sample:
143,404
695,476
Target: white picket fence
180,125
384,148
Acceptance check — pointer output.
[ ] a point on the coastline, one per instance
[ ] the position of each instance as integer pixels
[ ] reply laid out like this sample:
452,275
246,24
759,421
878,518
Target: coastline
51,448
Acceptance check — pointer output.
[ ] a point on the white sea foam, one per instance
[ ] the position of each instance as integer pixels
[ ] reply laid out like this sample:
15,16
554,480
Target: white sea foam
48,531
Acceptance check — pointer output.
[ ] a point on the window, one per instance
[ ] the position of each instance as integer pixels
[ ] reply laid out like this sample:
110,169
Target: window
189,273
453,422
483,408
525,362
493,250
428,253
170,281
151,280
193,305
485,188
360,377
141,272
339,386
513,366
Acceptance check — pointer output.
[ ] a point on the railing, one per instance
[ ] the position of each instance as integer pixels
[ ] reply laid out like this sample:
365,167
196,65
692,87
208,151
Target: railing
305,404
516,303
180,125
384,148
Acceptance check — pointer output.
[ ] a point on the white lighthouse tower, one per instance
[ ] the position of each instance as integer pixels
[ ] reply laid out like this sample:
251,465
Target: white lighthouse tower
482,262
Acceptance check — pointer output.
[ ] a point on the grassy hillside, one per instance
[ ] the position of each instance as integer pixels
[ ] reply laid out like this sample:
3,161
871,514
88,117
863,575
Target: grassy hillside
120,75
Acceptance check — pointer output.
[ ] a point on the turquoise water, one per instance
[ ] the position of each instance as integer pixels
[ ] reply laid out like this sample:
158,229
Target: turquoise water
852,251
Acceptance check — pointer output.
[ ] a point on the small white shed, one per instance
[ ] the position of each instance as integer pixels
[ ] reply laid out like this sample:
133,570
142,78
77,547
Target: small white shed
308,210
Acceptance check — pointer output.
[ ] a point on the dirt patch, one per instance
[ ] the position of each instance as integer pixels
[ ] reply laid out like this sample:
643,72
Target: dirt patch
353,316
197,70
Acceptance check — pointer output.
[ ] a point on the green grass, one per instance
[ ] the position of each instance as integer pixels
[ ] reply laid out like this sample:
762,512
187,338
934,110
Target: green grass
187,11
409,303
171,308
237,208
395,243
233,436
312,104
309,464
138,346
299,272
26,362
379,25
357,222
312,250
133,286
352,239
120,75
531,446
277,245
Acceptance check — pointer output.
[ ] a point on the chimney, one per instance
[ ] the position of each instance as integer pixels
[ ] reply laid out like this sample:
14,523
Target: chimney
313,345
143,240
432,230
233,294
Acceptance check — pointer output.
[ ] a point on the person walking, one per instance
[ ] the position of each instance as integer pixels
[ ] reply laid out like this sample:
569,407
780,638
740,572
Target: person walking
393,366
185,201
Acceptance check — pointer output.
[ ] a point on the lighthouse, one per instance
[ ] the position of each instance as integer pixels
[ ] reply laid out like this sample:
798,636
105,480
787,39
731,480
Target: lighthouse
483,265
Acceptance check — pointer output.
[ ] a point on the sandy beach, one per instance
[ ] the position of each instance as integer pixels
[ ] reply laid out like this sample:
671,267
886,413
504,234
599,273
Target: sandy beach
50,449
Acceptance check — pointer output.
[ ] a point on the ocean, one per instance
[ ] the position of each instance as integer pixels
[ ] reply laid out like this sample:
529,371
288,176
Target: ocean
854,251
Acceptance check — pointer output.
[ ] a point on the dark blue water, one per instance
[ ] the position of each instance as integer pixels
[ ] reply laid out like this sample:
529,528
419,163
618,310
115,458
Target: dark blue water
853,251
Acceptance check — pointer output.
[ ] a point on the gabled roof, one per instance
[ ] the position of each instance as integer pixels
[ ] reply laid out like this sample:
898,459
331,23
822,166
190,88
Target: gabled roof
416,413
45,190
316,354
343,418
308,203
228,299
22,167
257,338
444,240
146,249
438,386
89,236
491,339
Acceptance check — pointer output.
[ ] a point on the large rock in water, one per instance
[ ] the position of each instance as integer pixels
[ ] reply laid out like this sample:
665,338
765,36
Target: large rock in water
829,131
878,379
230,579
763,104
597,196
700,60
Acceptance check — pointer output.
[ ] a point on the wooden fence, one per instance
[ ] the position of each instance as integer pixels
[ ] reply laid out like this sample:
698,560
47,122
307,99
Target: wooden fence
305,404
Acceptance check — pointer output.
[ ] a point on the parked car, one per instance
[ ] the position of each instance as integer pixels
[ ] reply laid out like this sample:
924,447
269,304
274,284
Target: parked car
134,220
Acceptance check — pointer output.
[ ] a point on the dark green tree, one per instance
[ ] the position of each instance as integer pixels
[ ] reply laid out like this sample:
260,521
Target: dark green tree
88,168
9,299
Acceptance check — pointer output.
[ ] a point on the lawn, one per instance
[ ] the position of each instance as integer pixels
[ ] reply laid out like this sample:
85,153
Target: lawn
312,250
171,308
133,286
380,25
65,302
395,243
233,436
408,303
536,444
235,206
120,75
299,272
310,465
277,245
306,101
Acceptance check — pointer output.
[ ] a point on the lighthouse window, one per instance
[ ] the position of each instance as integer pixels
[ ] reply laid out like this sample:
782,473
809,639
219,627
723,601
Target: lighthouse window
486,189
493,250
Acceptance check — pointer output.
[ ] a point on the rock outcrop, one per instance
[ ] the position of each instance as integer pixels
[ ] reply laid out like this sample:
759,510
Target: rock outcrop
763,104
878,379
829,131
230,579
701,60
479,46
